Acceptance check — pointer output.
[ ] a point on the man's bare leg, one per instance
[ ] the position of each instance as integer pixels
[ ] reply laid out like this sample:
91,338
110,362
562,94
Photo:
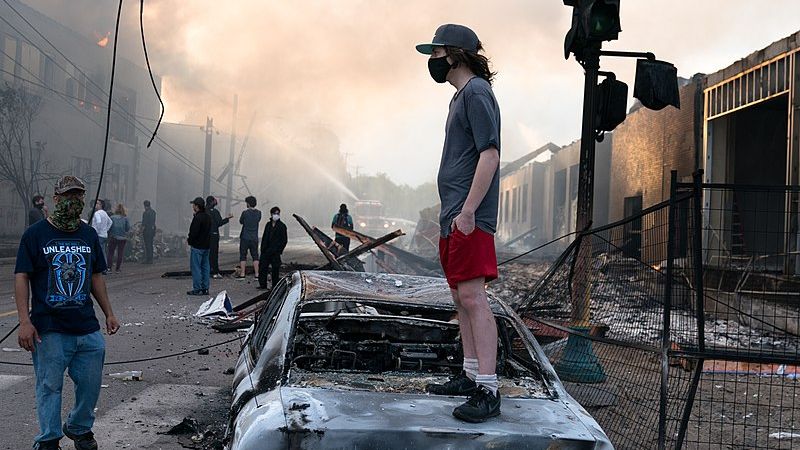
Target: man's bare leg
255,268
242,266
465,327
474,304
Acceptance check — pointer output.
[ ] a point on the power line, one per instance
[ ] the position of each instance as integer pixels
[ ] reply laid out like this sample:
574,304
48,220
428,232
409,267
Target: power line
168,148
150,71
137,125
108,113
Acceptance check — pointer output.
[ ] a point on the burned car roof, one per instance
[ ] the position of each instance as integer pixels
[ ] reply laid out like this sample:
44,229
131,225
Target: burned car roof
341,360
409,289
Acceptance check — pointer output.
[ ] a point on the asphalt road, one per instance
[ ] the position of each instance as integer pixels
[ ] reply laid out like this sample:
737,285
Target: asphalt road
157,318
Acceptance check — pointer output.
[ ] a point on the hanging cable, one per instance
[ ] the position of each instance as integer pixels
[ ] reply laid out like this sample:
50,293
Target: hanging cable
150,71
108,113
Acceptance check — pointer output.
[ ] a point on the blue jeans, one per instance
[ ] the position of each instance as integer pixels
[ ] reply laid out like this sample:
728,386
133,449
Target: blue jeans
103,244
82,357
200,268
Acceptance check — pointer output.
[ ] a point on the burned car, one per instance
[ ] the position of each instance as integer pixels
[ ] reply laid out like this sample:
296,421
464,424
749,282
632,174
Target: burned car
341,360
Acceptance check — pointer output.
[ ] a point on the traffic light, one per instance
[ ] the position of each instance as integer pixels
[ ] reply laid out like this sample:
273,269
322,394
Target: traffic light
593,21
656,84
611,103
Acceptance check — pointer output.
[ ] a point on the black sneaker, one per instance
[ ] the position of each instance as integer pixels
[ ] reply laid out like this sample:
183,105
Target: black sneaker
457,385
84,441
196,292
481,406
48,445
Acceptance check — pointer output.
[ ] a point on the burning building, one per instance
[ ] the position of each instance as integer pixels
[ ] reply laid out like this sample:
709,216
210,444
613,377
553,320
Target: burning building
70,83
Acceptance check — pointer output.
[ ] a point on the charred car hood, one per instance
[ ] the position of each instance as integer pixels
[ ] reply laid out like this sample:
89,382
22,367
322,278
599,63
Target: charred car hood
322,418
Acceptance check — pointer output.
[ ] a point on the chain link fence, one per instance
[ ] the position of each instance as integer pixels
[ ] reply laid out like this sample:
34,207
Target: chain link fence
677,327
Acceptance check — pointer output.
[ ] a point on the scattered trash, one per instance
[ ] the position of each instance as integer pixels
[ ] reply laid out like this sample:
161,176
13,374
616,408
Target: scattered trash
229,371
103,385
202,351
129,375
398,283
784,435
6,349
187,426
369,281
219,305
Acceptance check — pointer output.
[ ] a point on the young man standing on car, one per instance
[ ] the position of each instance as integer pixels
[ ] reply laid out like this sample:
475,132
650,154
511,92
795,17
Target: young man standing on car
469,186
60,267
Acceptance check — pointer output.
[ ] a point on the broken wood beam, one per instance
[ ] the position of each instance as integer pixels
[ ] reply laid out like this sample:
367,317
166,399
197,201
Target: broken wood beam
365,247
328,255
422,265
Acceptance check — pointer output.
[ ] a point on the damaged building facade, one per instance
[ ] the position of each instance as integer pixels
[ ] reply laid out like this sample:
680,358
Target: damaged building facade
737,124
70,127
539,193
752,137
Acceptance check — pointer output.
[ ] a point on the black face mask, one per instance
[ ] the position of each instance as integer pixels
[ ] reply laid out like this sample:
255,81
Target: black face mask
439,68
39,205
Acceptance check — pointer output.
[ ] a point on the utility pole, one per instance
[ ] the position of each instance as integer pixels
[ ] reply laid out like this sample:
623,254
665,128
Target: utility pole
229,187
591,65
209,129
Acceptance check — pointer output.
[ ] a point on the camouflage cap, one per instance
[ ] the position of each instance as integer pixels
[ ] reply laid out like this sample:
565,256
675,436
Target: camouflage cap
69,183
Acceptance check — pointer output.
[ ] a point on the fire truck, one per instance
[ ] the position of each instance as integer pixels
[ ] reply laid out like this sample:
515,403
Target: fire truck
369,218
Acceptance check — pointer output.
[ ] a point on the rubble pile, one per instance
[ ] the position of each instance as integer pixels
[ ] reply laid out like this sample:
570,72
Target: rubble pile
164,245
516,281
627,297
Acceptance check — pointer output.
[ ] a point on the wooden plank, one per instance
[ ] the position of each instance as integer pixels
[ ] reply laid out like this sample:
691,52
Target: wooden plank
328,255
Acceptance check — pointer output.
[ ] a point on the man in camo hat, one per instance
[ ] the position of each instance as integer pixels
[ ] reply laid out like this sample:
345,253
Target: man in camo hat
60,268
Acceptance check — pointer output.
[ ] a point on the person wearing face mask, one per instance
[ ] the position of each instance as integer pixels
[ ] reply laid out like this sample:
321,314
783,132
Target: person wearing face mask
469,185
59,266
36,213
272,244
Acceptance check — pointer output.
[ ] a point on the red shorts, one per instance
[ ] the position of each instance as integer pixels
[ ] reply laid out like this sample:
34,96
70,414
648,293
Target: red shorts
466,257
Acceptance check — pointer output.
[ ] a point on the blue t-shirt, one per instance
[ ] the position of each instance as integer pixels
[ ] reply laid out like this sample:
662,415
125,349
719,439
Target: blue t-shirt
473,125
60,265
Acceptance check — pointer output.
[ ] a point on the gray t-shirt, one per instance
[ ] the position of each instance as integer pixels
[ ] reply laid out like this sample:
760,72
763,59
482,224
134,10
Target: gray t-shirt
473,125
249,219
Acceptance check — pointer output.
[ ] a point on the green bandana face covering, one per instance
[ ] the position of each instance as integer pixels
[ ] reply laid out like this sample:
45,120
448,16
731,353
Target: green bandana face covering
67,215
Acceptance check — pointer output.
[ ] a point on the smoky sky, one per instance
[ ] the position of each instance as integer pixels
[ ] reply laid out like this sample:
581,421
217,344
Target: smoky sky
350,66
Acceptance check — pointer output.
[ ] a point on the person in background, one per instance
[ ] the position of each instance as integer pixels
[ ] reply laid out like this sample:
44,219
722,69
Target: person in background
216,222
199,241
101,223
58,270
36,213
148,231
118,236
248,238
272,244
342,219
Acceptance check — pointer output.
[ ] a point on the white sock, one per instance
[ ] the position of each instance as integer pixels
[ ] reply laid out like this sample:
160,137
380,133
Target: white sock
490,381
471,368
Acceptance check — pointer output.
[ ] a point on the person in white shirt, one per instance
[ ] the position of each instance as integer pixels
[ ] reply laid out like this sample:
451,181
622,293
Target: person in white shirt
101,223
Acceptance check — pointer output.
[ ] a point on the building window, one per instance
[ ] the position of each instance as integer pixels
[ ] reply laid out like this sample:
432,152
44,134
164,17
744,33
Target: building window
524,214
505,206
30,63
82,168
9,58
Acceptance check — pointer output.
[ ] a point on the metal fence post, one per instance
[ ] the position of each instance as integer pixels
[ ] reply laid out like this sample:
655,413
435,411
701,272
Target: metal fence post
697,243
665,336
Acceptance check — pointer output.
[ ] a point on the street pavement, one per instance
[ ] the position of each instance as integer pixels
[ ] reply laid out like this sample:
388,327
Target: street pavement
157,319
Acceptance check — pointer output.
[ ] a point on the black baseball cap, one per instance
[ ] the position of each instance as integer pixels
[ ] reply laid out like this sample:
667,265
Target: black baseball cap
451,35
199,202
